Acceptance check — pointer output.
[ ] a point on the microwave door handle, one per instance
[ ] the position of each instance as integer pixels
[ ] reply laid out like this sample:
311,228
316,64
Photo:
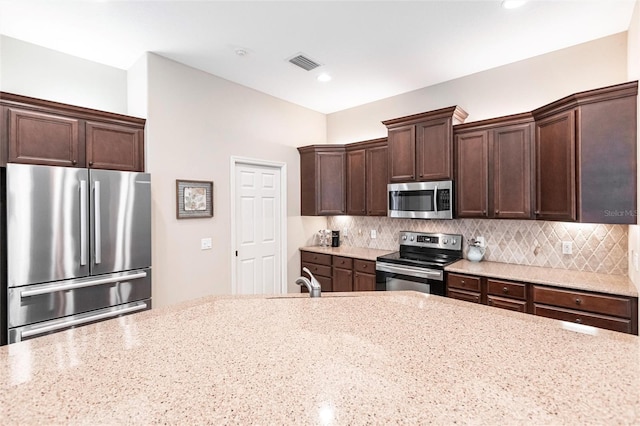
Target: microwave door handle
435,200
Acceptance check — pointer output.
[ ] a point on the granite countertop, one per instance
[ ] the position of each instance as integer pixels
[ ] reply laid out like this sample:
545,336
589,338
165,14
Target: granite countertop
344,358
355,252
590,281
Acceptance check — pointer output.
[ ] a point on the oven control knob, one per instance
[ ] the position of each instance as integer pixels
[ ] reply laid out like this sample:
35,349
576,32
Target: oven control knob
411,238
404,238
445,240
454,241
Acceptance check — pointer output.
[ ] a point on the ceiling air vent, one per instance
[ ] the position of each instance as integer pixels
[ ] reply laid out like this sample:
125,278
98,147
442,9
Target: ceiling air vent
304,62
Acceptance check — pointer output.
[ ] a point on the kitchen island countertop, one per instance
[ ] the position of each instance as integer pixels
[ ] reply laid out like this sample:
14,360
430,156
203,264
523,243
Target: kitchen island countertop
344,358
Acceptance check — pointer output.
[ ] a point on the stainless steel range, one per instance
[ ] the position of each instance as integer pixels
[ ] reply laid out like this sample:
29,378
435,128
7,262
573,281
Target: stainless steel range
420,263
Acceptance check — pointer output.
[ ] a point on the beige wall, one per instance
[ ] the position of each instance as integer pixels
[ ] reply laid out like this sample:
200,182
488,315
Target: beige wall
196,122
510,89
633,67
31,70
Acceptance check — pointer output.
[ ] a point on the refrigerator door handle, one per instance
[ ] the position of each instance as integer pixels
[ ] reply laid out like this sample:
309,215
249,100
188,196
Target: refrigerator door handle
97,224
87,283
83,222
79,321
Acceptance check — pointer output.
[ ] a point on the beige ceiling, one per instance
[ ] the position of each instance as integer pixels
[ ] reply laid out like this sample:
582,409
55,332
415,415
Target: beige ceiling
373,49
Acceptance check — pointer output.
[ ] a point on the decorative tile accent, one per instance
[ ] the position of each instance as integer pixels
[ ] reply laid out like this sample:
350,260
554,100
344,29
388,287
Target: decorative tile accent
596,247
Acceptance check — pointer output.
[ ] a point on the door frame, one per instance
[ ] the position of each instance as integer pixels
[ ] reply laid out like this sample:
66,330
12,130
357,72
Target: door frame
236,161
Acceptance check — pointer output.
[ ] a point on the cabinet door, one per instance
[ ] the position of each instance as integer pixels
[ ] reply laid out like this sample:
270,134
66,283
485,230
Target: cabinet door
377,178
402,154
364,282
46,139
511,152
434,148
330,169
356,182
114,147
342,279
472,176
556,167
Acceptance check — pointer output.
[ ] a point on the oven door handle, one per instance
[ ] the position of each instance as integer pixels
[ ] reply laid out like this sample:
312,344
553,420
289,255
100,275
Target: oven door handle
409,271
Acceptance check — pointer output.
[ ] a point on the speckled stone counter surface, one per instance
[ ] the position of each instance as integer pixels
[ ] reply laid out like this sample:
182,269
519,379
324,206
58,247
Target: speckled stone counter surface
590,281
355,252
344,358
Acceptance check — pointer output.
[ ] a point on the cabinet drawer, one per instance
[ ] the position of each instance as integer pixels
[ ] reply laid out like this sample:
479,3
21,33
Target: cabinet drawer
343,262
469,296
601,304
366,266
321,259
505,303
578,317
464,282
322,270
506,288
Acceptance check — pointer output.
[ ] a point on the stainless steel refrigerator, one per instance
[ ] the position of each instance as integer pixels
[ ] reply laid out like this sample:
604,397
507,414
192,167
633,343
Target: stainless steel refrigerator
77,246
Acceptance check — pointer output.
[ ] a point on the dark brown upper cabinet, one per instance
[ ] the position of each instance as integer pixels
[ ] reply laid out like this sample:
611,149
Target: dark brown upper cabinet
36,131
322,180
421,145
494,168
367,178
585,149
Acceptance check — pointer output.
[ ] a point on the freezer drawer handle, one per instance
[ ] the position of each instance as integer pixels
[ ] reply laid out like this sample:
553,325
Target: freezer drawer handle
72,286
79,321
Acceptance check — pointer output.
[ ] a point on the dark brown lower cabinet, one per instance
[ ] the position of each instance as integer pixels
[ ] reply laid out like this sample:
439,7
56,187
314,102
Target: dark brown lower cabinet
611,312
364,278
342,273
320,266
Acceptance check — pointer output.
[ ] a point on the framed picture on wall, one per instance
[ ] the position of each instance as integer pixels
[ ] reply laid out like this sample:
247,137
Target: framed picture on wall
194,199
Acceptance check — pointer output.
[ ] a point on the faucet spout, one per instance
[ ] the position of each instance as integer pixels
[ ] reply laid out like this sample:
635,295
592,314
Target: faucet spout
312,284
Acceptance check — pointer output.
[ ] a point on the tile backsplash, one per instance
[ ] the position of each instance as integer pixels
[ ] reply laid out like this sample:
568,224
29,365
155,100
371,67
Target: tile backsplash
596,247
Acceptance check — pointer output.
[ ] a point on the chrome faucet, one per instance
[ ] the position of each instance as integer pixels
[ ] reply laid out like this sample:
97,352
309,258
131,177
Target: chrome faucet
312,284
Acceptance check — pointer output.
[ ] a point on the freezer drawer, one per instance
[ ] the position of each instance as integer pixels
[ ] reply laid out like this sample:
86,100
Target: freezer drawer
47,327
43,302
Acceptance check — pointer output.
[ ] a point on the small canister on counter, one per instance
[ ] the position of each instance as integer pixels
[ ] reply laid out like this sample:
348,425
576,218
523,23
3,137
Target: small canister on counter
335,238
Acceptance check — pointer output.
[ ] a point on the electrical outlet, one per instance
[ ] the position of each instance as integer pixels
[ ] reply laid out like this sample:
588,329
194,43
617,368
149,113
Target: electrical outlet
205,244
567,247
374,234
344,232
635,260
481,241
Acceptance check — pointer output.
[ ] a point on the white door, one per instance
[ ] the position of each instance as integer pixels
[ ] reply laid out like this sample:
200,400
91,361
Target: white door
258,218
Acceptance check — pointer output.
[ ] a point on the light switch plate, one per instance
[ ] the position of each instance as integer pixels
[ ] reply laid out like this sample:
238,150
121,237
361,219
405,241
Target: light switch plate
205,244
374,234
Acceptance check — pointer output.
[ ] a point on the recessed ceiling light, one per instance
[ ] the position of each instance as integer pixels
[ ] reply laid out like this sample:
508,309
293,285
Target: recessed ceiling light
241,52
324,77
512,4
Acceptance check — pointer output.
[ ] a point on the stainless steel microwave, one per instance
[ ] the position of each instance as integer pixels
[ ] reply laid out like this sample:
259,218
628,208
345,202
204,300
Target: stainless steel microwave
421,200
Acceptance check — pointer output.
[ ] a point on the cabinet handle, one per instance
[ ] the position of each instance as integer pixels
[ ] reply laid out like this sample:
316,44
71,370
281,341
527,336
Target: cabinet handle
484,212
497,211
421,175
505,290
578,320
364,266
578,301
537,212
74,162
462,282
